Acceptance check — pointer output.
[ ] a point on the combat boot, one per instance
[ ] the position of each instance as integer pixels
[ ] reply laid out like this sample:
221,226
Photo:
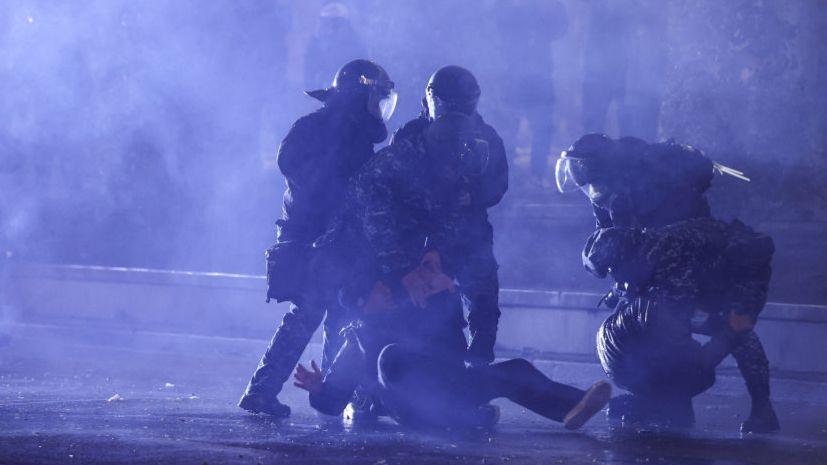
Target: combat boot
488,416
259,403
762,419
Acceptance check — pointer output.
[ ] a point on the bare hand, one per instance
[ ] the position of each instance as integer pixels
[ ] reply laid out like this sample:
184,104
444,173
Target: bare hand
379,300
431,261
416,287
427,279
431,272
741,323
310,381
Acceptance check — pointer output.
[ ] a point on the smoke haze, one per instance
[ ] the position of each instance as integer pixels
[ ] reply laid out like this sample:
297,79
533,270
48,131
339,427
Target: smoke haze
144,133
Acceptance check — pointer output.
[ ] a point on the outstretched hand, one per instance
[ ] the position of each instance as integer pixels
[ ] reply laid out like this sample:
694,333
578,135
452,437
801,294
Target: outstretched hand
416,287
310,381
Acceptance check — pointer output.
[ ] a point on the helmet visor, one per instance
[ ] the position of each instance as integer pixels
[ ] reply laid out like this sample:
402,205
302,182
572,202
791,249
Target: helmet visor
382,103
568,174
435,105
387,105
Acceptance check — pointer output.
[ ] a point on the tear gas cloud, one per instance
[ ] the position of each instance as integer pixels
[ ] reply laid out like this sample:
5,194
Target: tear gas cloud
144,133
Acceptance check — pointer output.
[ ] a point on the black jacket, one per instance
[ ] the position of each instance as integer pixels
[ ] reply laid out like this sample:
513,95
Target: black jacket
317,158
399,201
494,181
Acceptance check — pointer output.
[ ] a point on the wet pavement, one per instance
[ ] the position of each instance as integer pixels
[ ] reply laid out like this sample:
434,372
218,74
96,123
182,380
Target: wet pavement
174,408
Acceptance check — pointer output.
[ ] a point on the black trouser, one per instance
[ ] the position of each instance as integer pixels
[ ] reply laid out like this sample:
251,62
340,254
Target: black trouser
754,366
290,340
648,349
676,379
480,288
421,390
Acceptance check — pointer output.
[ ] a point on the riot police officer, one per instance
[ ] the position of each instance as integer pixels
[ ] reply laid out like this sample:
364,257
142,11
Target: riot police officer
700,276
317,158
480,179
633,184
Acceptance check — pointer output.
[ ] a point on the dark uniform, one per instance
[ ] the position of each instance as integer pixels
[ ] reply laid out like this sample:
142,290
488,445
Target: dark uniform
404,201
412,191
634,184
668,277
317,158
469,252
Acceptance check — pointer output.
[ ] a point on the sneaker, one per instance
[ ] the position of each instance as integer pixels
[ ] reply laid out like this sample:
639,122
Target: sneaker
489,415
257,403
762,419
593,401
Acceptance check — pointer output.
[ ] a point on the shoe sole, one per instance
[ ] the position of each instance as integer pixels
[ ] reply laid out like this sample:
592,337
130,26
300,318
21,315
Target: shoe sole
592,402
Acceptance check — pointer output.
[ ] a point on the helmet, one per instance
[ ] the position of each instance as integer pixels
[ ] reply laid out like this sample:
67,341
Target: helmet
584,162
362,80
451,88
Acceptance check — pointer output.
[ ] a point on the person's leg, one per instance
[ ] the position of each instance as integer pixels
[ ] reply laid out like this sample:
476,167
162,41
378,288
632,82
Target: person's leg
280,358
754,366
480,287
519,381
670,389
335,320
663,374
419,390
522,383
